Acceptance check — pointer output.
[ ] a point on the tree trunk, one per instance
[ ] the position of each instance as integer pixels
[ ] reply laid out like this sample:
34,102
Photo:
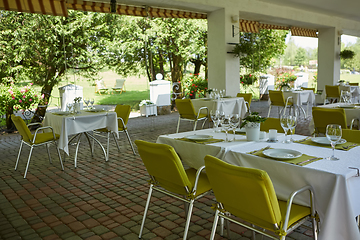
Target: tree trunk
161,63
42,106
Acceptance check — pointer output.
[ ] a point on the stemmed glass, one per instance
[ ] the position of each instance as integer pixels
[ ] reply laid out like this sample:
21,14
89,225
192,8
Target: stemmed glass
225,123
333,133
215,117
234,123
92,102
69,106
87,101
292,122
284,119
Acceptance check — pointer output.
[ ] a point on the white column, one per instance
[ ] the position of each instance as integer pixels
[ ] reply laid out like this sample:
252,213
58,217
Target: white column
223,67
329,47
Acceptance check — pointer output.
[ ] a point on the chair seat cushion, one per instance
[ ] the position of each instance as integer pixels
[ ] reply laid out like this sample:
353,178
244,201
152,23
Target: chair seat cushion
203,184
102,130
297,212
202,115
45,137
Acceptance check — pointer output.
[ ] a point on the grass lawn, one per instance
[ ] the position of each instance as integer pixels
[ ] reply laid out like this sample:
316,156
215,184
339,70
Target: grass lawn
136,88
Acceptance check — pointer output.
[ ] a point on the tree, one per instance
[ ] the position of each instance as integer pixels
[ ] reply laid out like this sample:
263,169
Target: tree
256,50
300,57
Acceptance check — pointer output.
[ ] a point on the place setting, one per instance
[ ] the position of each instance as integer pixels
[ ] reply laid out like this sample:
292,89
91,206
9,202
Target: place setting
201,138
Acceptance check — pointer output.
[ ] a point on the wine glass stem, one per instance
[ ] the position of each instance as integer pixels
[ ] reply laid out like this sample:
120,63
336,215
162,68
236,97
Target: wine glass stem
333,149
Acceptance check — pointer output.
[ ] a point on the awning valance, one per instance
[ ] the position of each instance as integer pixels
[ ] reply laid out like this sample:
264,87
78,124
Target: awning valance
248,26
49,7
132,10
296,31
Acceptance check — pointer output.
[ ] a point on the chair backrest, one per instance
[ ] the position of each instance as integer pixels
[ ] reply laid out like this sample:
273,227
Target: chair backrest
247,193
122,111
276,98
164,165
351,135
271,123
22,128
332,91
324,116
100,84
247,97
119,83
306,88
354,84
185,108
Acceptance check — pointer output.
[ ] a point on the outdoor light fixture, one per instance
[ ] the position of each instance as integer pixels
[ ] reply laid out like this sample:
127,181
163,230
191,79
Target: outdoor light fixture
113,6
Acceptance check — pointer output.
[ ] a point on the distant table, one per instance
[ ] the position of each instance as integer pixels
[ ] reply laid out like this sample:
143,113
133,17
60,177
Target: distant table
72,124
234,105
301,97
354,90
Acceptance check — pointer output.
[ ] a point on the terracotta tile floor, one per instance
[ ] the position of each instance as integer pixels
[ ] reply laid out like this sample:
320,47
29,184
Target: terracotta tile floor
98,199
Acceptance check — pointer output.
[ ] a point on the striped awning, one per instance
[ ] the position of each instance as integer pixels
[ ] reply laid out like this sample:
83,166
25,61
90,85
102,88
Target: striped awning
248,26
271,26
132,10
49,7
296,31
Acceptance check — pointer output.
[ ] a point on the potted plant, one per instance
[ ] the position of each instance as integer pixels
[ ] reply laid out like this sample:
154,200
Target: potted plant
347,54
252,126
285,80
247,80
147,108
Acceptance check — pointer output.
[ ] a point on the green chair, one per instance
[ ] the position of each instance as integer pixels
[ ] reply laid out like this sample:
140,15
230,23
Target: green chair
119,86
332,94
277,99
305,88
324,116
100,87
34,140
123,113
248,194
187,112
272,123
247,97
351,135
168,176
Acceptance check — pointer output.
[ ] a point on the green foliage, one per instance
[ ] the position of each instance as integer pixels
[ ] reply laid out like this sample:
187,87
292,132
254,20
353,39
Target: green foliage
16,98
248,79
256,50
253,117
347,54
195,86
300,57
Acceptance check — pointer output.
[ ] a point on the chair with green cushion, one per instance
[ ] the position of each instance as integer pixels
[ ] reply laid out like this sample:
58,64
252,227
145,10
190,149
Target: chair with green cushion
351,135
354,84
324,116
332,94
168,176
247,97
272,123
34,140
306,88
187,112
248,194
277,99
123,113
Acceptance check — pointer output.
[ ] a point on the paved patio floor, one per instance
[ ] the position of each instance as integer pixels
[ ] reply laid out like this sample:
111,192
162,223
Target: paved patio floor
98,199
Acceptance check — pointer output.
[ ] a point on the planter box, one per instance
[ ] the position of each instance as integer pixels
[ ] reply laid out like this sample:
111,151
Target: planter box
148,110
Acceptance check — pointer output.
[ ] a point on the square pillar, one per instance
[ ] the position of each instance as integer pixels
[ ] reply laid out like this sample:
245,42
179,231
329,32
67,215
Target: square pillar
329,47
223,67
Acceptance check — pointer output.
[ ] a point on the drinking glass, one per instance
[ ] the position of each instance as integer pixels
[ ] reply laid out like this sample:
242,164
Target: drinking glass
87,101
69,106
92,102
215,117
234,123
225,124
284,124
333,133
292,122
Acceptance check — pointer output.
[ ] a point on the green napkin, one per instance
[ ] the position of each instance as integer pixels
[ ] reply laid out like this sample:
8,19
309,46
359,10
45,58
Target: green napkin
345,146
301,161
207,141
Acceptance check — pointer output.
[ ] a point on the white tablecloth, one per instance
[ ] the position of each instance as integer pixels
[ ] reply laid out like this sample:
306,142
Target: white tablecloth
337,189
228,105
354,90
78,123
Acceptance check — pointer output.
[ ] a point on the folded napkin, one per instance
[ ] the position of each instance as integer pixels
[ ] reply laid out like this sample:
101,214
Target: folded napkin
301,161
59,114
207,141
345,146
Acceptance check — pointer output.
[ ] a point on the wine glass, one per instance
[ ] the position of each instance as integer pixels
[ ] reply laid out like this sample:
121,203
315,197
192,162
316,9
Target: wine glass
215,117
292,122
69,106
284,124
225,123
234,123
87,101
333,133
92,102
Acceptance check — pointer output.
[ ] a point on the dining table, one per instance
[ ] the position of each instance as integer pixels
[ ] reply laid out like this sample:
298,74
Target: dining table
300,97
229,105
336,184
70,124
354,90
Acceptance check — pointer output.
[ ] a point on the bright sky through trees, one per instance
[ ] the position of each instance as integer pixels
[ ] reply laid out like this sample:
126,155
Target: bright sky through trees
308,42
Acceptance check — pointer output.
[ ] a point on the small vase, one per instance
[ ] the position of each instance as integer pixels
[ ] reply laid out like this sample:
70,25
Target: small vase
252,131
76,107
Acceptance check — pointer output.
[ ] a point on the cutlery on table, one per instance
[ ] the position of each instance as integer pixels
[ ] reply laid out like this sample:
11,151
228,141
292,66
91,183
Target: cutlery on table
352,145
311,159
262,149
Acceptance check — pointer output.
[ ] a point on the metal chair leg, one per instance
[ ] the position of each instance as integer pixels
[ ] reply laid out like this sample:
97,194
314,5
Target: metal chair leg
48,152
178,125
58,151
116,141
28,162
145,210
188,219
18,157
269,111
213,230
128,137
195,124
107,147
204,123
